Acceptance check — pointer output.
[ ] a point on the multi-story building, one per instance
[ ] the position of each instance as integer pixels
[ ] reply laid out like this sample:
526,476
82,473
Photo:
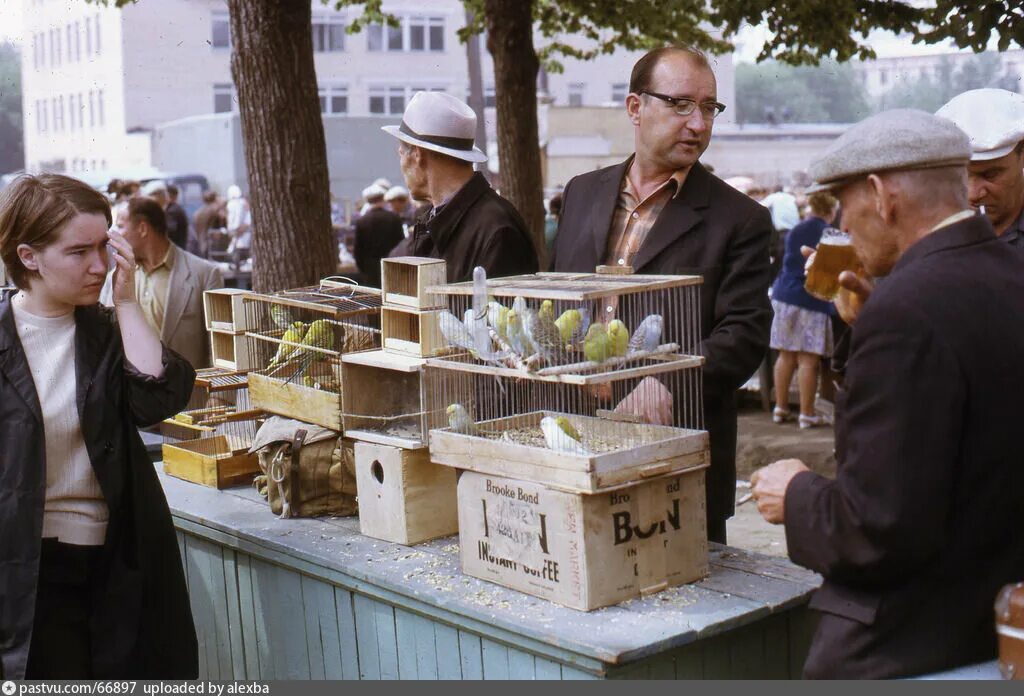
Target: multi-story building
97,80
882,74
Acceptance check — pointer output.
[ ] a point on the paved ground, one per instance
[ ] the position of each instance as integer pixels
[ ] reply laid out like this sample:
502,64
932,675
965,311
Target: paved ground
761,442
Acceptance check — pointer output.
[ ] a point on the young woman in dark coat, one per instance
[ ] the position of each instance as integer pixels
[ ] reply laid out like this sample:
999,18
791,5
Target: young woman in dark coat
91,576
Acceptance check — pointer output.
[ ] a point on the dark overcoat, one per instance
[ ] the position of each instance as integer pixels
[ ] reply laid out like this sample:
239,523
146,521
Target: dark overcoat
924,521
477,227
708,229
142,623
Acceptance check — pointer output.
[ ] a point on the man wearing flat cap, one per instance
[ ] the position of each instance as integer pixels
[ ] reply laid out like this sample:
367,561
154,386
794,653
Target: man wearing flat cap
922,524
993,119
469,224
377,232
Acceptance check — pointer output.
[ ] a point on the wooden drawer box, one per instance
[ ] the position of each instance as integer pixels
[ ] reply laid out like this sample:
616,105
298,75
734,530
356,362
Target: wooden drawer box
584,551
403,497
224,309
295,399
229,350
412,332
405,279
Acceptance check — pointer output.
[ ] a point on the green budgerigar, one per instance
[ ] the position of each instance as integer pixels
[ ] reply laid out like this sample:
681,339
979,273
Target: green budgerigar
295,334
597,347
618,334
319,335
459,420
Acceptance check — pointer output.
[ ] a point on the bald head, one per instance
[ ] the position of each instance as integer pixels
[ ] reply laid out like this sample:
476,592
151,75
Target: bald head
641,79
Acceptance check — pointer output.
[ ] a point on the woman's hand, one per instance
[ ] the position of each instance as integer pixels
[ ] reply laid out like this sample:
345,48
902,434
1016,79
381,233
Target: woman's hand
123,290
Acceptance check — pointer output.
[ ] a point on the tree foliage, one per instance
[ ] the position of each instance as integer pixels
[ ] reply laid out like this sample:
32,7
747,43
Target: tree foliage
775,92
12,151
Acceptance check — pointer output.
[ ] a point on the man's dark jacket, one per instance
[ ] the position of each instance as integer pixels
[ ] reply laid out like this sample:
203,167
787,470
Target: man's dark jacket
377,233
142,627
177,225
477,227
922,525
707,229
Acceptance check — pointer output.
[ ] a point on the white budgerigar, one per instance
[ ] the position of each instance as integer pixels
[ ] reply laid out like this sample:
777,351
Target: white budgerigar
647,336
517,337
561,436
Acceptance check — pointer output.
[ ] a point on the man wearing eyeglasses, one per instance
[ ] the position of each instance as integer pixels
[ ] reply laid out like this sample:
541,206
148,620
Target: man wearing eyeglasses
661,212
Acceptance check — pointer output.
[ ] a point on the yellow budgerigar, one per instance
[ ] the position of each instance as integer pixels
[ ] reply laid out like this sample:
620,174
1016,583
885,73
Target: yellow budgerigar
597,347
568,322
618,334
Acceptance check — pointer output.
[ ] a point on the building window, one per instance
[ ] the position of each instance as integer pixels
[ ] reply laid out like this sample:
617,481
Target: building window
97,37
329,33
426,33
576,93
88,37
71,112
490,96
333,99
81,111
385,38
387,101
56,47
92,109
221,30
78,41
223,98
883,77
619,92
99,107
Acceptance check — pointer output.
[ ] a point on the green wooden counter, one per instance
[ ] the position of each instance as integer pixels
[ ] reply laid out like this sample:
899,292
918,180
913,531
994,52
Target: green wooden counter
301,599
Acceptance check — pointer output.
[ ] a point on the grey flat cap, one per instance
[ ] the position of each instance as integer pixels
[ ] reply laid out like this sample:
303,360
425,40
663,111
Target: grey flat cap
992,118
890,141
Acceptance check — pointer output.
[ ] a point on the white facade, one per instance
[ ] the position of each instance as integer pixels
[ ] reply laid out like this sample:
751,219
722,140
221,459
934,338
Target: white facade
97,80
883,74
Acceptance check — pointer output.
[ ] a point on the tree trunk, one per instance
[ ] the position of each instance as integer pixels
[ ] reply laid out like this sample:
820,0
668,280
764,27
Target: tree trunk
476,91
285,152
510,41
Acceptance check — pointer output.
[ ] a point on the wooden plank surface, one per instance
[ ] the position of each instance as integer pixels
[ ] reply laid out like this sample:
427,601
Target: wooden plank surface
344,603
427,580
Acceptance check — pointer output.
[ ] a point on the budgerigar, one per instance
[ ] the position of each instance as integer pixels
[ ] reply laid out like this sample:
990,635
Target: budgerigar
547,309
459,420
497,317
319,335
647,336
295,333
618,334
455,332
281,316
568,323
597,347
519,306
517,337
561,436
543,333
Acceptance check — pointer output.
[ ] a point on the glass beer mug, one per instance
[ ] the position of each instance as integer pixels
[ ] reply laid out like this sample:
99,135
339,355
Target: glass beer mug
834,255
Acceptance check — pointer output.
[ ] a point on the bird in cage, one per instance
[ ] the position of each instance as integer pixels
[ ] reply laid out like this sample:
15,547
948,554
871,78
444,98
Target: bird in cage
319,335
455,332
618,336
597,346
517,338
573,325
459,420
561,436
647,336
281,316
497,317
295,333
542,332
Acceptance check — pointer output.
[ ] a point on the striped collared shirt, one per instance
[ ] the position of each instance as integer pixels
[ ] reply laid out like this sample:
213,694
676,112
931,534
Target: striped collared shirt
634,218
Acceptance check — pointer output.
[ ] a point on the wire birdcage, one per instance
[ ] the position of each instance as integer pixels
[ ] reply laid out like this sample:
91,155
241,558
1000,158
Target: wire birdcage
296,339
583,364
219,456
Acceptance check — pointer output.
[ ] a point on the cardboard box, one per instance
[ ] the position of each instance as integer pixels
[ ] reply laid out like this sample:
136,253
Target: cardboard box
584,551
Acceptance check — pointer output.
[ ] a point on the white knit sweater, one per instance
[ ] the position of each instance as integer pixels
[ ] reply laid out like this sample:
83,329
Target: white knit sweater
75,510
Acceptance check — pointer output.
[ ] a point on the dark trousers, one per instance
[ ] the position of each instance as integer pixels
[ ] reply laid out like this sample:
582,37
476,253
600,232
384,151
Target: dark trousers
61,646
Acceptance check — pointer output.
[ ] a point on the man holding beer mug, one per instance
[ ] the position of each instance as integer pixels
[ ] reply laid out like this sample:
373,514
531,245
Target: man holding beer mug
921,526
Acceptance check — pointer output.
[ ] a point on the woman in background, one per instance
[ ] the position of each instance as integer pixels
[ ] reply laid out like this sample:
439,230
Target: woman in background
801,329
91,576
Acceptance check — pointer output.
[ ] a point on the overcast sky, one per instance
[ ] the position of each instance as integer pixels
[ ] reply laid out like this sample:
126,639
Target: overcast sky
10,20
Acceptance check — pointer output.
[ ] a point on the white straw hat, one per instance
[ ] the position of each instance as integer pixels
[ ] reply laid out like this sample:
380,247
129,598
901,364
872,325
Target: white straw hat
438,121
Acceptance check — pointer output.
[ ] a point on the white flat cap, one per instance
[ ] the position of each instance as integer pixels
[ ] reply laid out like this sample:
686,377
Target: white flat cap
373,191
396,192
992,118
892,140
438,121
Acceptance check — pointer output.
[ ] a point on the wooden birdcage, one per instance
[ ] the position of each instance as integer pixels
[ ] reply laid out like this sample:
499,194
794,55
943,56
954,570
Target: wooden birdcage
296,339
219,456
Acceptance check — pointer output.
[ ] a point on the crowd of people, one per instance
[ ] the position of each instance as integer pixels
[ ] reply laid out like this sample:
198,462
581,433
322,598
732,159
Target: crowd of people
913,537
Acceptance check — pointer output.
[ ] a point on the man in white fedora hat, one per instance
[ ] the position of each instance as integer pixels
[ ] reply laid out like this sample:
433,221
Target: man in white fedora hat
994,121
469,224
